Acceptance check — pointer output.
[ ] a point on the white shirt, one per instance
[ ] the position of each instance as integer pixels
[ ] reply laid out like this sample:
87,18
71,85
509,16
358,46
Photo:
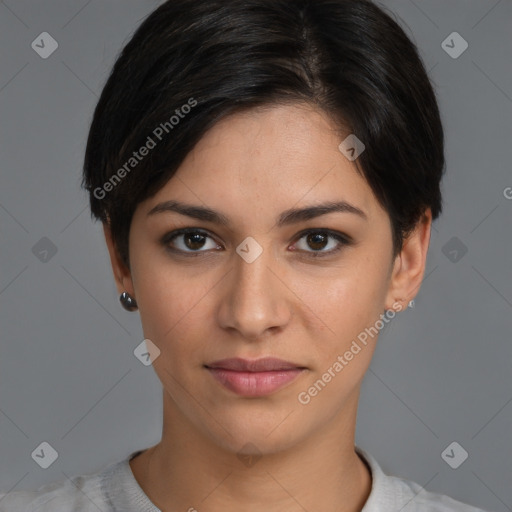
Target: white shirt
115,489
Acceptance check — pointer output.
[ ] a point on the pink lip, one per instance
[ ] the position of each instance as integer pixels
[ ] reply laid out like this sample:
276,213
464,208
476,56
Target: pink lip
254,378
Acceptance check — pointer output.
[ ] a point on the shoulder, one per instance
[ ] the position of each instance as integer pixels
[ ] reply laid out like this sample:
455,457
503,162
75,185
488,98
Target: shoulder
84,493
391,493
416,499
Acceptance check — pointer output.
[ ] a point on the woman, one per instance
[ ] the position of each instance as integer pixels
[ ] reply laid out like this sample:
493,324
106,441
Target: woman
267,173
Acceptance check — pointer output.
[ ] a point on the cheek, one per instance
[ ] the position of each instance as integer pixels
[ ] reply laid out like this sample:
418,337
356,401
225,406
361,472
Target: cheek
348,308
172,308
348,301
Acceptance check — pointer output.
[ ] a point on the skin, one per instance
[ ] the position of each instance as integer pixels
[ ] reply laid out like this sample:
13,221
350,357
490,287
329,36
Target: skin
287,304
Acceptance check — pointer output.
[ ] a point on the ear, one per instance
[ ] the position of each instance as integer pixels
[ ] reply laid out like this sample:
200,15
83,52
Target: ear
122,274
409,265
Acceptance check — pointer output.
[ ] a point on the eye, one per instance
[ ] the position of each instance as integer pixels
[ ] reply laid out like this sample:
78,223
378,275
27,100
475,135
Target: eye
318,240
192,240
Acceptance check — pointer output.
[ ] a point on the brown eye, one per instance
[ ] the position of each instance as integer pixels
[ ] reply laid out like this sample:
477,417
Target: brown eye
194,241
317,241
188,241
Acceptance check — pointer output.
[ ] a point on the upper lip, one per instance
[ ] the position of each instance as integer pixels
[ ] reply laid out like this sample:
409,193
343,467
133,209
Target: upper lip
265,364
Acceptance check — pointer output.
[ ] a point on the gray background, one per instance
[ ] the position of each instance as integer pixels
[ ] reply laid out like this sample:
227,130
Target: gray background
68,375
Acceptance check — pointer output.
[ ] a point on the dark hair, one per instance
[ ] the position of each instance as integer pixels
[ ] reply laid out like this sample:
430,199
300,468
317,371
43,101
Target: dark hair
193,62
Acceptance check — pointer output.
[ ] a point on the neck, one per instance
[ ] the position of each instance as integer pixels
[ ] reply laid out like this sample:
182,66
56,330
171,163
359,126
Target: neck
186,471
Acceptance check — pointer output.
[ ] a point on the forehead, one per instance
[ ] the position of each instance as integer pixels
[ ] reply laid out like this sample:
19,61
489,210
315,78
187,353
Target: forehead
270,158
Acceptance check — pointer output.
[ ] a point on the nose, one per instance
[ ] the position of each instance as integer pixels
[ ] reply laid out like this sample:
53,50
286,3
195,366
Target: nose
255,298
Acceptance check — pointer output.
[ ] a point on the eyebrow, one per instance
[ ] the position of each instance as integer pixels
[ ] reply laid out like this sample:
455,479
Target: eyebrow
291,216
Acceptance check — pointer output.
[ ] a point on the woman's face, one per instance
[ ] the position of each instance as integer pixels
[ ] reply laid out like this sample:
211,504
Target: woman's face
256,287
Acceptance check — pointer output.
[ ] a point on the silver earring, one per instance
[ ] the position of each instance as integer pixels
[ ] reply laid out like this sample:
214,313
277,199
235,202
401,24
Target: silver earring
128,302
410,304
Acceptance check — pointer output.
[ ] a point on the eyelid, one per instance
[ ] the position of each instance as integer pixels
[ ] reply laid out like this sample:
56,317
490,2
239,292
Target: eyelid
332,232
342,239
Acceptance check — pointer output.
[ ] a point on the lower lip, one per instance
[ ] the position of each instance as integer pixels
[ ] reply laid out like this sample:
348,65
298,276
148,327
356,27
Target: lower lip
254,383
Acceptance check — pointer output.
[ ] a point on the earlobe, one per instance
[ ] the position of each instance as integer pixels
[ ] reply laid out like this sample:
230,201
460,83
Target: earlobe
121,273
409,265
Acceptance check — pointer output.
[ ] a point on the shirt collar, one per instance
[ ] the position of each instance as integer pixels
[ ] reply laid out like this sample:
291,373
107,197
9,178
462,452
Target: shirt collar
380,499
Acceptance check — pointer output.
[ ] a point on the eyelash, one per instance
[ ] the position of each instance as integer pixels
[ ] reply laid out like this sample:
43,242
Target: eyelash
343,240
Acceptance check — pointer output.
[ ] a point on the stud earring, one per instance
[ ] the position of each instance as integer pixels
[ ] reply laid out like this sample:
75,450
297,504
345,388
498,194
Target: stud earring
410,304
128,302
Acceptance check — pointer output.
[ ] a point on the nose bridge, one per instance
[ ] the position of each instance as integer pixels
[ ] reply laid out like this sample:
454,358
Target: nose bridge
252,269
254,301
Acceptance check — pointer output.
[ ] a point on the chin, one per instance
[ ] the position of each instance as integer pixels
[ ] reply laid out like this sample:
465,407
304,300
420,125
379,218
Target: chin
255,434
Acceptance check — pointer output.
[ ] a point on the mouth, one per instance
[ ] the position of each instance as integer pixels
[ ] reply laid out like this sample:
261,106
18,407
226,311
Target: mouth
252,378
